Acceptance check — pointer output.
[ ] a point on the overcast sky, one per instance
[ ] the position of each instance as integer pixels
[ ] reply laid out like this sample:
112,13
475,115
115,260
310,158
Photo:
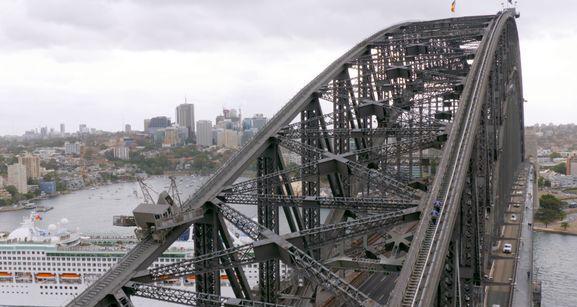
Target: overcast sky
106,63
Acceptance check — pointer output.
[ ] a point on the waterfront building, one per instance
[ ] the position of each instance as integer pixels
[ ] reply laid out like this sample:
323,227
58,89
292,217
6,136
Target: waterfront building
122,152
17,177
204,133
32,163
4,194
48,187
72,148
185,118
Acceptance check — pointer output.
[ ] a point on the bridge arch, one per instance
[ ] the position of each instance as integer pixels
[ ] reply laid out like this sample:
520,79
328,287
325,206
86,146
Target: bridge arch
419,128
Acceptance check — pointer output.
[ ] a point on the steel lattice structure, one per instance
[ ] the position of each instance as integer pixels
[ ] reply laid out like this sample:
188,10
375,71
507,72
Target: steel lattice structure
419,127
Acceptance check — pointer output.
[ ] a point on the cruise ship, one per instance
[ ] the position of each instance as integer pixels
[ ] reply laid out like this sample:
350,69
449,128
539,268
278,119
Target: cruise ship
49,267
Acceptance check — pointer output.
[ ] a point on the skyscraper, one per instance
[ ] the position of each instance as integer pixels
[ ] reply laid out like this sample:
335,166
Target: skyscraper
17,177
146,124
32,163
127,128
204,133
158,122
62,129
185,118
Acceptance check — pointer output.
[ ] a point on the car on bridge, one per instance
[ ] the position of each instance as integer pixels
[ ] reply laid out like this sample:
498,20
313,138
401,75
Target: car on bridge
507,248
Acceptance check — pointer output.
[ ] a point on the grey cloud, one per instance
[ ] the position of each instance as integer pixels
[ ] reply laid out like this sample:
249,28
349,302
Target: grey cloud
194,24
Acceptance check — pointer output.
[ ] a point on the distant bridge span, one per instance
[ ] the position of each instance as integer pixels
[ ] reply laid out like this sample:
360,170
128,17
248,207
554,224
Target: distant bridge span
418,128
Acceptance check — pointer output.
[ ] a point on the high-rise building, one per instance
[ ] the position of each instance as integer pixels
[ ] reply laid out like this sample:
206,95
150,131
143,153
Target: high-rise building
258,121
171,138
127,128
32,163
62,129
44,131
146,124
228,138
17,177
230,119
185,118
204,133
72,148
82,128
157,123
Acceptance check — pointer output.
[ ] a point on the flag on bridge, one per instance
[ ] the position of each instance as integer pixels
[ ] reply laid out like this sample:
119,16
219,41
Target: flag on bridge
453,6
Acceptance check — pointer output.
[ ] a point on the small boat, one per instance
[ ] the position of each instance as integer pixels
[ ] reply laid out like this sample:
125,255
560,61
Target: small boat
44,208
29,205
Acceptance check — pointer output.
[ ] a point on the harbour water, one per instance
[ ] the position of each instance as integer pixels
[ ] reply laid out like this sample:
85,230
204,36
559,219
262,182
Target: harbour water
91,212
555,259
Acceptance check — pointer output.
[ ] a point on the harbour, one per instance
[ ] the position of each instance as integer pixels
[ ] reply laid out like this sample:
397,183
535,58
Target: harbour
87,210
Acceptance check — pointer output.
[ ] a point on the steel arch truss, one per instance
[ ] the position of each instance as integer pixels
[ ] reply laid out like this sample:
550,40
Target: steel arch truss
420,117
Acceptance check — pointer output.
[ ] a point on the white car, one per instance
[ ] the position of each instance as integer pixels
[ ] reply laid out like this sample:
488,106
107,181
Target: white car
507,248
513,217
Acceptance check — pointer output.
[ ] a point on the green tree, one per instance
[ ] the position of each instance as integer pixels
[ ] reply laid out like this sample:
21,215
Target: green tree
560,168
12,190
541,182
550,209
555,155
564,225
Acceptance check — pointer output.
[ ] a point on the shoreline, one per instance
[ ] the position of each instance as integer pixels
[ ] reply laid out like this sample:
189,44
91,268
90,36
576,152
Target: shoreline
556,231
85,188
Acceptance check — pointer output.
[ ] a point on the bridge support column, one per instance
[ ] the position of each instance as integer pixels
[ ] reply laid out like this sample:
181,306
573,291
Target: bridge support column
268,216
311,182
206,241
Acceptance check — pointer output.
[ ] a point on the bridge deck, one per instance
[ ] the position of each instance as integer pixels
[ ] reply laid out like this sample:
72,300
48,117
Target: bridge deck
509,272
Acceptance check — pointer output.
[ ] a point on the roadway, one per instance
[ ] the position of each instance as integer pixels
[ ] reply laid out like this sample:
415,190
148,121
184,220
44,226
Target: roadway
522,295
504,266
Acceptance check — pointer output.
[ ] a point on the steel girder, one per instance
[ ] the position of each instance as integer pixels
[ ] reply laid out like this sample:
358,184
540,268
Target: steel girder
346,203
268,216
245,254
400,102
427,256
292,255
180,296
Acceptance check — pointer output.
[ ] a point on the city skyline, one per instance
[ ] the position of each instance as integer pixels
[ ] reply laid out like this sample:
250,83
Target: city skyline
107,70
70,129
